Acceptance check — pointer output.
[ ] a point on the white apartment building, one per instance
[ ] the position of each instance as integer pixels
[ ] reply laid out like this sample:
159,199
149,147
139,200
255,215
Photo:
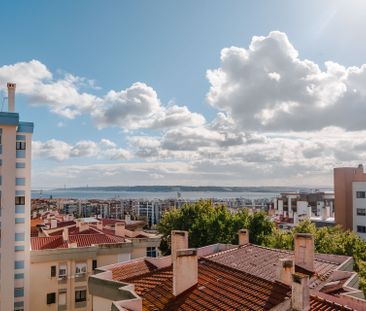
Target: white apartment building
359,208
15,186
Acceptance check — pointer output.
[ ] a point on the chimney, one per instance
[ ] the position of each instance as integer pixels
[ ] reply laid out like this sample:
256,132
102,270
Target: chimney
243,236
179,240
185,270
119,229
83,226
304,251
65,234
300,297
11,96
285,270
53,223
99,225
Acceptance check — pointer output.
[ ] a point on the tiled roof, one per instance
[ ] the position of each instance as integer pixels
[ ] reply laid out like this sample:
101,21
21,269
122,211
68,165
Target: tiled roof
219,288
132,269
321,304
82,240
263,262
38,243
74,230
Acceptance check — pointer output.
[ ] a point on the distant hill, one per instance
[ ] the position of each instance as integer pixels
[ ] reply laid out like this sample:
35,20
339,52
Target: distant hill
187,189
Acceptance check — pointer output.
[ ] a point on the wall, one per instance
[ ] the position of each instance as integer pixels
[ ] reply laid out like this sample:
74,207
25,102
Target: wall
358,220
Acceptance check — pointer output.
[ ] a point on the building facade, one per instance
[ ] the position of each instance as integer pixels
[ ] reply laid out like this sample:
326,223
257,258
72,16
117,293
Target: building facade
15,181
350,201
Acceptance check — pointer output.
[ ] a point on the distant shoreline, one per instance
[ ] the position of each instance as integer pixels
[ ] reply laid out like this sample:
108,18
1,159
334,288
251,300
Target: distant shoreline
187,189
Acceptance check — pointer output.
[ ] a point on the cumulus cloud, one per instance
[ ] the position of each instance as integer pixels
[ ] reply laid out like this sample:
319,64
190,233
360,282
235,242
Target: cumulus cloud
60,151
139,107
268,87
135,107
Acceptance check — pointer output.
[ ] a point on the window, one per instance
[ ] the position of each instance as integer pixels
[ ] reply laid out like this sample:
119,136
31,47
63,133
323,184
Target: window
80,269
19,292
151,251
94,264
20,165
80,295
19,236
19,209
62,299
62,271
20,181
361,229
19,220
19,200
20,145
19,276
360,194
19,264
19,248
18,305
53,271
51,298
361,212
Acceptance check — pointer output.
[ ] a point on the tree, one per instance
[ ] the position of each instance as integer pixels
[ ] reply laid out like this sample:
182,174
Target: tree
208,224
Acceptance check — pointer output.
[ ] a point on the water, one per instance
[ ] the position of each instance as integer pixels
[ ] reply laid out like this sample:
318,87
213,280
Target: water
189,195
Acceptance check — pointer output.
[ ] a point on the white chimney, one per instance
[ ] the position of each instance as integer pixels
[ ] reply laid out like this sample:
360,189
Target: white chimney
300,297
65,234
285,270
304,251
179,240
185,270
11,96
243,236
83,226
120,229
53,223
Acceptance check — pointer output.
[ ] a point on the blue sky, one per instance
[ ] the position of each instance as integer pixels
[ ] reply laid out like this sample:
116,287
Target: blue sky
168,47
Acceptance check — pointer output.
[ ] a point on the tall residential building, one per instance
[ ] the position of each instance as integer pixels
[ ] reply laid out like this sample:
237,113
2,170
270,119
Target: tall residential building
15,186
350,198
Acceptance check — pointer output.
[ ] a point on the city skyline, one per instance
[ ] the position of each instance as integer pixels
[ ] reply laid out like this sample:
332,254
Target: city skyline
188,94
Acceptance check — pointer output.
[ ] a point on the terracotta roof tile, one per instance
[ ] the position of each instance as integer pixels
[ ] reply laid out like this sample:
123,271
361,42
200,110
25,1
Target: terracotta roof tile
219,288
132,269
263,262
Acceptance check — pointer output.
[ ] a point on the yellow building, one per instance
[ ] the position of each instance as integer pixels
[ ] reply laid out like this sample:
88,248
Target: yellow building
64,257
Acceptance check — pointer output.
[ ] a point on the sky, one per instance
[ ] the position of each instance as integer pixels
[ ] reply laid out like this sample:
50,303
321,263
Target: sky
195,92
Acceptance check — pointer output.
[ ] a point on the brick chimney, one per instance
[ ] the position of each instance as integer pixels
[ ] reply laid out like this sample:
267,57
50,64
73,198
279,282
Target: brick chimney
243,236
304,251
65,234
11,96
179,240
285,271
185,270
300,297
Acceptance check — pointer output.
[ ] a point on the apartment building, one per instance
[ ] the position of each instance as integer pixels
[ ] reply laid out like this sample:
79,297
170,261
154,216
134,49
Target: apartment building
65,253
15,186
350,199
230,277
293,207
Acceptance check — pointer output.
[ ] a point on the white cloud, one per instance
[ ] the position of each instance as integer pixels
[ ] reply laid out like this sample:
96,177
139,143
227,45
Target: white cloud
267,87
60,151
136,107
139,107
